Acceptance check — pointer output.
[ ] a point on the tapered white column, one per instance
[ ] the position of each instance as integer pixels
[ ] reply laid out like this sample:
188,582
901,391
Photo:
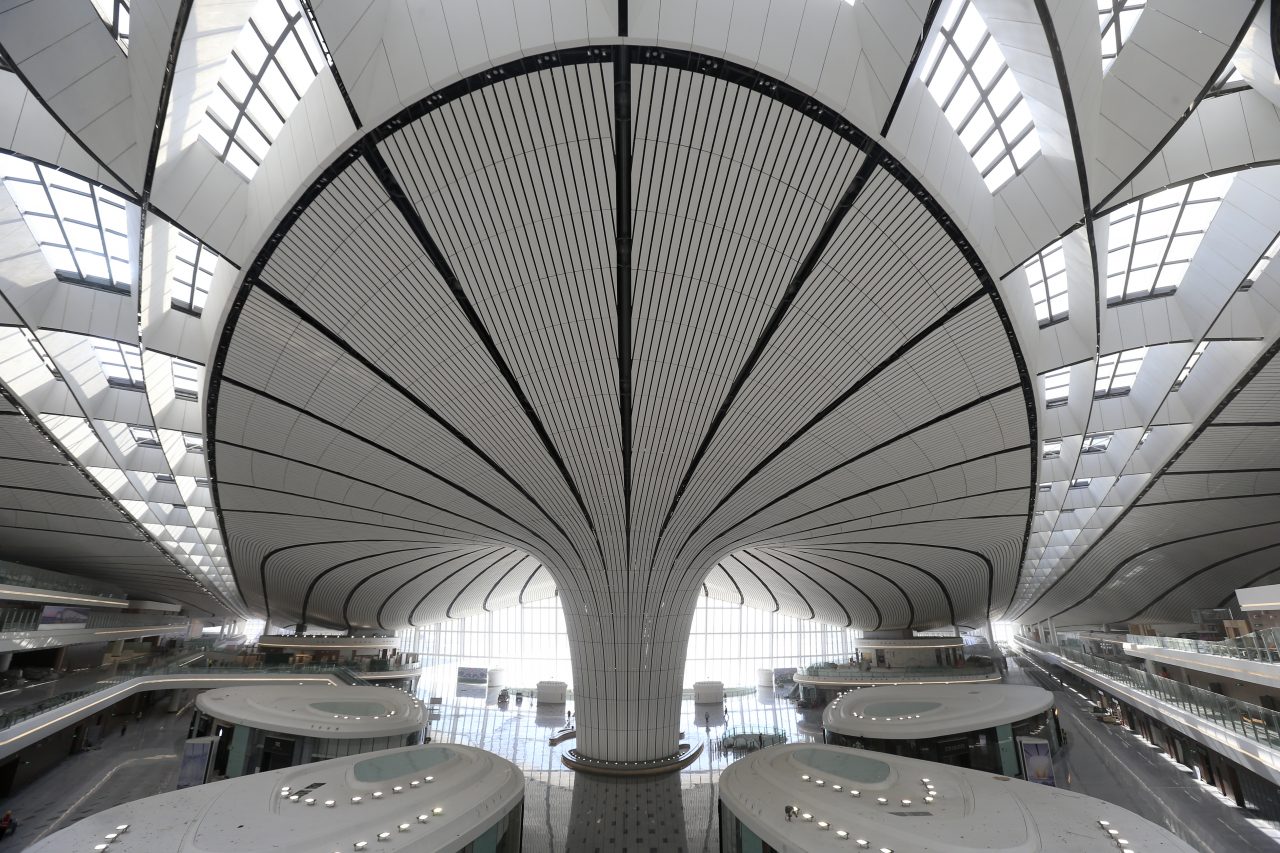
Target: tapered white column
628,674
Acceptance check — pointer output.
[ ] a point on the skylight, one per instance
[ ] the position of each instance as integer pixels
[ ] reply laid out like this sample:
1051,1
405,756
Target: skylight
193,442
272,65
1081,483
1096,442
967,75
1116,372
1152,240
192,273
1056,384
1047,276
186,379
1191,362
1144,438
81,228
144,436
35,344
115,14
1230,80
121,363
1052,449
1261,266
1117,20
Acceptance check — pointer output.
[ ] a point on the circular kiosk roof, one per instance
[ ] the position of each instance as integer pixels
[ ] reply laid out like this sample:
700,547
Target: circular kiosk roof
434,797
322,711
970,810
911,711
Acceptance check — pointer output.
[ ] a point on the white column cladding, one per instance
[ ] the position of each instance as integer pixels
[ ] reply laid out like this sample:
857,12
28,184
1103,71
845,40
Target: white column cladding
628,673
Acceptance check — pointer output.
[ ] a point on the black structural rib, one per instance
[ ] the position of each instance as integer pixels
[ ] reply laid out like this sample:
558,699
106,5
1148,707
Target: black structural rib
1226,400
796,590
351,593
848,619
382,171
267,557
304,616
1171,590
454,573
1136,554
474,559
971,404
934,7
622,161
834,219
911,608
484,605
1177,125
333,66
763,585
835,404
991,570
399,457
418,403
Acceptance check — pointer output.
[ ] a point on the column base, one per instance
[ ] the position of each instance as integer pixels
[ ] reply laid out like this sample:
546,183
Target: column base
682,758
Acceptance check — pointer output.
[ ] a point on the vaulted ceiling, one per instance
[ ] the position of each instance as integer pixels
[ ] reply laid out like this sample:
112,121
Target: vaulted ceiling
738,298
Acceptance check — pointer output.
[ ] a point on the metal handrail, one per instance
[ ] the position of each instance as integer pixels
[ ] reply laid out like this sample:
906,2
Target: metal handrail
12,717
898,673
1262,646
1254,722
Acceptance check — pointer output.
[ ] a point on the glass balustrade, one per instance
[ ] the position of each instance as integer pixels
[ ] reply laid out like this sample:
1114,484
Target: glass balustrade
1252,721
1262,646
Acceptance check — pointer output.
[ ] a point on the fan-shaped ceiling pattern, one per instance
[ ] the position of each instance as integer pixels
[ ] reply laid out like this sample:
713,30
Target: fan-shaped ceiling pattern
881,313
446,344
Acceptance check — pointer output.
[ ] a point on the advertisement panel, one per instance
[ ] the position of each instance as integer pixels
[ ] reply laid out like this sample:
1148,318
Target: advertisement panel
1037,760
62,614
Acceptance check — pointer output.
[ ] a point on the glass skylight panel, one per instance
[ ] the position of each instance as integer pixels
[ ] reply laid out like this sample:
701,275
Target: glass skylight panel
193,266
967,75
186,379
82,229
1097,442
1230,80
193,442
1081,483
115,14
275,60
1056,384
144,436
1117,20
1191,362
1117,371
1052,449
121,363
1152,240
35,344
1261,266
1047,276
1144,438
1044,487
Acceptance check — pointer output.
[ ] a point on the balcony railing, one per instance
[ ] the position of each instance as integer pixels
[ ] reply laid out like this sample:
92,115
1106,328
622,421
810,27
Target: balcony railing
18,619
117,674
853,675
16,574
1244,718
1262,646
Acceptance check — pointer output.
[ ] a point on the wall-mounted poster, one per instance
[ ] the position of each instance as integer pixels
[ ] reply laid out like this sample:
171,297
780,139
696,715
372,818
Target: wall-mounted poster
61,614
1037,760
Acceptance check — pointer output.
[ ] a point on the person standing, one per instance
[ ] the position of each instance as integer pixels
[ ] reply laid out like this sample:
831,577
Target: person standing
7,824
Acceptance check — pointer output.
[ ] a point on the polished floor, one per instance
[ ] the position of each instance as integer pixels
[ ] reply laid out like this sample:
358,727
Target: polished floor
571,813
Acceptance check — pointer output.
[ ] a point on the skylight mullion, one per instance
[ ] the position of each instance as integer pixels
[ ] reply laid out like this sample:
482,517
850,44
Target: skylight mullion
57,218
102,238
1173,231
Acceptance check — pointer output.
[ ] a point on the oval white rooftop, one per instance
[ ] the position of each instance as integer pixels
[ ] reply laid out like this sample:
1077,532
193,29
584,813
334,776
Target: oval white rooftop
911,711
840,790
321,711
447,796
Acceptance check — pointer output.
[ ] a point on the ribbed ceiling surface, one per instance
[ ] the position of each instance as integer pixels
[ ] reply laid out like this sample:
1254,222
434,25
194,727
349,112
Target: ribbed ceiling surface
813,366
643,300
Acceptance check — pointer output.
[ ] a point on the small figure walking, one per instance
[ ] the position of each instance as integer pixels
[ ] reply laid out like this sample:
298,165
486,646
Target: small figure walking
8,825
789,811
123,728
706,718
568,715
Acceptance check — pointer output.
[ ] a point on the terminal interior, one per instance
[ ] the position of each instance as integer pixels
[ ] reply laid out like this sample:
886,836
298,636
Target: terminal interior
640,407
